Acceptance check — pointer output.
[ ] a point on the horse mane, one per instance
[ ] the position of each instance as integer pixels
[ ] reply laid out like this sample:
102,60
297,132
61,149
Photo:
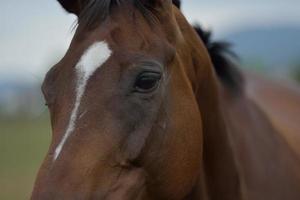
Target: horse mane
224,60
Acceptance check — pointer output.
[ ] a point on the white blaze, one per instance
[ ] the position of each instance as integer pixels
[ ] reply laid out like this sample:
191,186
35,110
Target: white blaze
92,59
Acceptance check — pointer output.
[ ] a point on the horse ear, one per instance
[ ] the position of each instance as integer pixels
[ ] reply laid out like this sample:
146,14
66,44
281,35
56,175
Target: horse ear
177,3
157,3
73,6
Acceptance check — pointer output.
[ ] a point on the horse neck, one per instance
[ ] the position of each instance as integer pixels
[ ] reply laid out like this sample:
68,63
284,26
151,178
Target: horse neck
220,171
239,140
240,144
222,178
263,157
219,178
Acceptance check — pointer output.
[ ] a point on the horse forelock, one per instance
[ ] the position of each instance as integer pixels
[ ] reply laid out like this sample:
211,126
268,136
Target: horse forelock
96,11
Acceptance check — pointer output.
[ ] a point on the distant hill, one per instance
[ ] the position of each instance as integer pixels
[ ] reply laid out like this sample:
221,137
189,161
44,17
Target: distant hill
20,98
276,48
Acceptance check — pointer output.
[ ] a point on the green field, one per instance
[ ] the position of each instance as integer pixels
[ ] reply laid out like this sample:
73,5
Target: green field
23,144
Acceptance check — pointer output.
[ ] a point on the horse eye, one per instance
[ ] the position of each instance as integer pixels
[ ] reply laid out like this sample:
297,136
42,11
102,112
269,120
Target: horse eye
147,82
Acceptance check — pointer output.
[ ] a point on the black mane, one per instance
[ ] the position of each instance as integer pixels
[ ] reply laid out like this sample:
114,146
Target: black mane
223,59
96,11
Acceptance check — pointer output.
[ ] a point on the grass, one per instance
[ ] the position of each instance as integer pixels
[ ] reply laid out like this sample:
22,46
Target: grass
23,145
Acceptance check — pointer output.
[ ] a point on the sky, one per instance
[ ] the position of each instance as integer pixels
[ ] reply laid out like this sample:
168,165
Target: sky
35,34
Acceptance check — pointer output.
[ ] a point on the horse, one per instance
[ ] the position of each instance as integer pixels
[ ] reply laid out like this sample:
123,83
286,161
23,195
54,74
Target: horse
144,106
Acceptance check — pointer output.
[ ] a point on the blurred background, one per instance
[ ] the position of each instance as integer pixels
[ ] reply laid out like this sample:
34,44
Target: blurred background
35,34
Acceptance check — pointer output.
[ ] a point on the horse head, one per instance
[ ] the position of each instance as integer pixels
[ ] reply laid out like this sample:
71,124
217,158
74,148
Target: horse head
124,101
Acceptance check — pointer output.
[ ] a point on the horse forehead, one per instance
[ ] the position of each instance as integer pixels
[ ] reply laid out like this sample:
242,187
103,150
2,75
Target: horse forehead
93,57
122,35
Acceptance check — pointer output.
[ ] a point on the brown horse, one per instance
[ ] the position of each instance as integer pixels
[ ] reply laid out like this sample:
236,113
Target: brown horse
140,111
